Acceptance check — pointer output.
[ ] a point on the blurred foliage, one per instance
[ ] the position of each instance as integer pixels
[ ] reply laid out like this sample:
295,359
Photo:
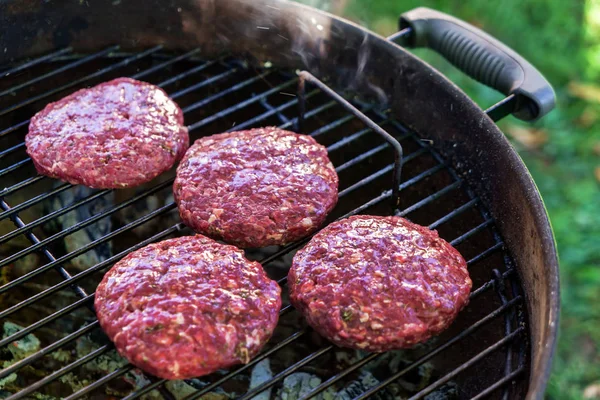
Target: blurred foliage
562,151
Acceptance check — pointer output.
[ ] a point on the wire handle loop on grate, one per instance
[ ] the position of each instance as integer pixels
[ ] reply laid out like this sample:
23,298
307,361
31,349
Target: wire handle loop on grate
305,76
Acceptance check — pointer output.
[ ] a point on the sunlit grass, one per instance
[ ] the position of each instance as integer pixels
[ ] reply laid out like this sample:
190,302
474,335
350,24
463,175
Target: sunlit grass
592,33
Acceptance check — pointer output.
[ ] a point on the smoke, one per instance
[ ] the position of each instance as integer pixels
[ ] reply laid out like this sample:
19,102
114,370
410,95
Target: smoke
311,43
335,7
361,80
314,47
289,34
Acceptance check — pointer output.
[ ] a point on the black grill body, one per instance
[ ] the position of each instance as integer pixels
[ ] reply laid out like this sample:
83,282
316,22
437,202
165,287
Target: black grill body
458,175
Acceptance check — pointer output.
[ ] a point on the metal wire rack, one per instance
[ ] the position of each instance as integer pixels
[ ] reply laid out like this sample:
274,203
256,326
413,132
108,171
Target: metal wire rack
44,257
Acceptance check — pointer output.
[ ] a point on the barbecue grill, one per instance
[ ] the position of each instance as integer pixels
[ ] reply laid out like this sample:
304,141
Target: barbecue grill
403,139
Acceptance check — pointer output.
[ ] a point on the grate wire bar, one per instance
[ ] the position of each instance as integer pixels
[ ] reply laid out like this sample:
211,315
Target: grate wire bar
374,121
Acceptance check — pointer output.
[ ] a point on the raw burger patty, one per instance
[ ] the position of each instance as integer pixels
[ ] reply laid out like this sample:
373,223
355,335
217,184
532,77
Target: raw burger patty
118,134
187,307
378,283
256,188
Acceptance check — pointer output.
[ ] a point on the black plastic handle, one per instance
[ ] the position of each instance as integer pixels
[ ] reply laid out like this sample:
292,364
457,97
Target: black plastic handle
481,57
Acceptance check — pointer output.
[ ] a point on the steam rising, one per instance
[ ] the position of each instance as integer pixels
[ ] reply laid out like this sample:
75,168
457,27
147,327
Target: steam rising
351,74
288,34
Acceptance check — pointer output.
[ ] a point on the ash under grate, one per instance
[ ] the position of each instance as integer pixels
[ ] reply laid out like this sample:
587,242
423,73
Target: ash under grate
56,241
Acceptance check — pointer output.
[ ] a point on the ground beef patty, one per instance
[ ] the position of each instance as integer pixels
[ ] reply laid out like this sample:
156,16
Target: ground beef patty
256,188
187,307
378,283
118,134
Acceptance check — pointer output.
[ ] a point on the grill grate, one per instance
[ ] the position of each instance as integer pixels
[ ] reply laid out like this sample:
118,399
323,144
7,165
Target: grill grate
217,96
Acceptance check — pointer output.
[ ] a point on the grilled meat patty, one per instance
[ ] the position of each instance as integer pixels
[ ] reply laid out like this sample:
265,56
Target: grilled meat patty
378,283
187,307
256,188
117,134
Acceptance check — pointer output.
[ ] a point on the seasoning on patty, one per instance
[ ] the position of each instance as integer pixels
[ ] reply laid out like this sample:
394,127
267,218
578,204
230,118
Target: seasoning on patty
378,283
256,188
118,134
187,307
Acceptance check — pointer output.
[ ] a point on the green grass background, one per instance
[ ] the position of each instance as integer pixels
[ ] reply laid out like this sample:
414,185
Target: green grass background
562,39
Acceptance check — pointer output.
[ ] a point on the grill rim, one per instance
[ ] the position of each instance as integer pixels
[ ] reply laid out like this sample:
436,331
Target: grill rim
124,26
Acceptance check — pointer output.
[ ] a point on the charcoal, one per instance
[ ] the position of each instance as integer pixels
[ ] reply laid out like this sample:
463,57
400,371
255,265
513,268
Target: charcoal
261,373
299,384
104,363
26,264
87,234
5,382
447,392
23,347
196,383
365,381
19,349
179,389
232,388
142,208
